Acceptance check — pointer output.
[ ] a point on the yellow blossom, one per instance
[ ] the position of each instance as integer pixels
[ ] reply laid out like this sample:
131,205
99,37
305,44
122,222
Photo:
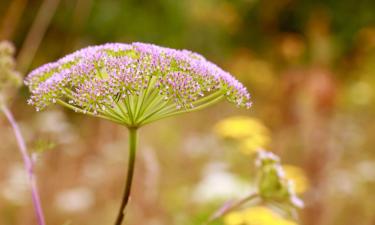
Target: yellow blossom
258,215
252,144
234,218
240,127
251,132
298,178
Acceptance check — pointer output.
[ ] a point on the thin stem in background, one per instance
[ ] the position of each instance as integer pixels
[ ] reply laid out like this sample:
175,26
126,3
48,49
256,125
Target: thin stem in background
11,18
81,14
229,207
131,162
29,165
36,34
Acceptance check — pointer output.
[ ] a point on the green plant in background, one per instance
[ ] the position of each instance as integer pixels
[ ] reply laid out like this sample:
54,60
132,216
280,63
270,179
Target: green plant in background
276,185
274,194
10,81
133,85
273,184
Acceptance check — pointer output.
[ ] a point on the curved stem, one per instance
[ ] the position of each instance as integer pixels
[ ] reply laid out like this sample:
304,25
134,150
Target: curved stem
127,102
227,208
29,165
177,112
114,119
129,178
122,118
144,95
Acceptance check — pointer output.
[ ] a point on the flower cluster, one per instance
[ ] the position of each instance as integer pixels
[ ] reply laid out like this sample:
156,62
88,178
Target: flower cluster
133,84
10,79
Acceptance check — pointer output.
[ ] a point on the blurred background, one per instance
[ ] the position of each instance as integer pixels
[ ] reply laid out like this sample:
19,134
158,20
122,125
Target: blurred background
309,65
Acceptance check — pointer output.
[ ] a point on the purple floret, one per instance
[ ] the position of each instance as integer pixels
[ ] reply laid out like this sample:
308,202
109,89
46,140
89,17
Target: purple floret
97,77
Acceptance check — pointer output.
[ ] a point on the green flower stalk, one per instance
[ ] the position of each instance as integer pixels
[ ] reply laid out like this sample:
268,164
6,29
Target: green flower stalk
133,85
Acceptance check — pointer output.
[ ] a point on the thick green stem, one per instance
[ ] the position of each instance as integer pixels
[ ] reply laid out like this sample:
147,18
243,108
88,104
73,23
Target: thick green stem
129,178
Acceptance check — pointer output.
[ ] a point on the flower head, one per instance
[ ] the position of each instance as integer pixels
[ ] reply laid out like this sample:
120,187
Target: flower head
133,84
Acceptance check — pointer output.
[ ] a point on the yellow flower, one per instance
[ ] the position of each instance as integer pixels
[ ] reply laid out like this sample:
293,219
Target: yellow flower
252,133
234,218
240,127
298,178
258,215
253,144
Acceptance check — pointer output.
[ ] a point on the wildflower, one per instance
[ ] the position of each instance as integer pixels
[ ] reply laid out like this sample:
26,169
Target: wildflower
10,79
257,215
240,127
133,84
298,178
273,188
251,133
254,144
273,184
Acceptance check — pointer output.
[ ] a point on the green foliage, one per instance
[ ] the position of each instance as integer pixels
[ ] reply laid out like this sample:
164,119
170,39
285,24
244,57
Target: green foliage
43,145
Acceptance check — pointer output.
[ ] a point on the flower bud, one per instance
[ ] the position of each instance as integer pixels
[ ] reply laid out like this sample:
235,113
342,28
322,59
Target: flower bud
272,182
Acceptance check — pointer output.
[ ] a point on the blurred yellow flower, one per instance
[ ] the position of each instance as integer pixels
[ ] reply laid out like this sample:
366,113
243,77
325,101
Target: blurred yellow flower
258,215
252,133
251,145
234,218
240,127
298,178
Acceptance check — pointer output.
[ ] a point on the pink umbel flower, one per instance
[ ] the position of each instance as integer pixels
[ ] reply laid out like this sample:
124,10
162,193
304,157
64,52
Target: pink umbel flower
133,84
